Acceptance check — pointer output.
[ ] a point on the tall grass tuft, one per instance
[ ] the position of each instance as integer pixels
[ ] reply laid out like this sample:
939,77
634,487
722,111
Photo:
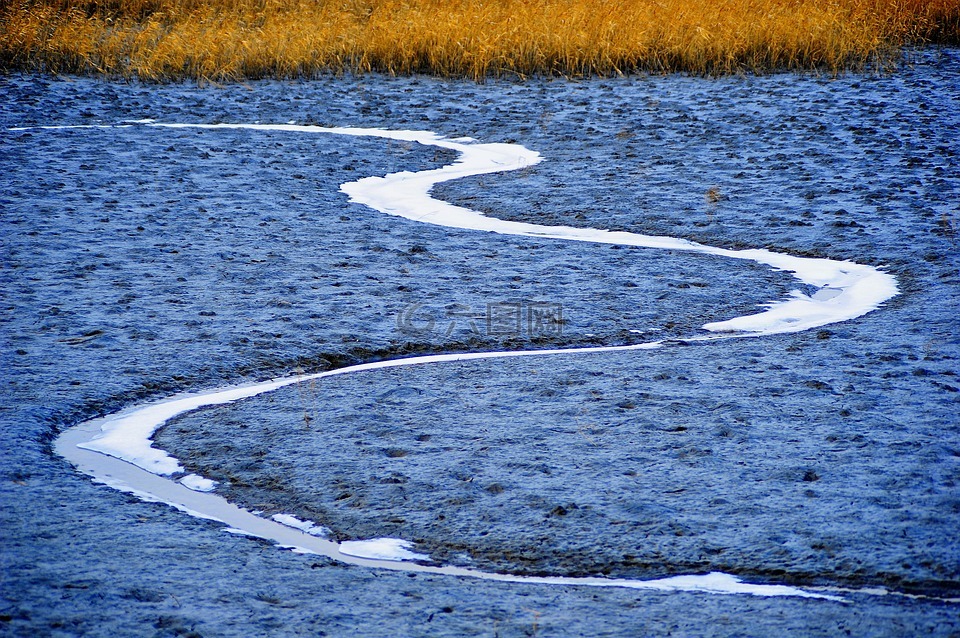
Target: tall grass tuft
232,39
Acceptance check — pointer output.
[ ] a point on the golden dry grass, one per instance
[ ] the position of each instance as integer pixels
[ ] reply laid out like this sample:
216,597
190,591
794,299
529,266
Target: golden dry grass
232,39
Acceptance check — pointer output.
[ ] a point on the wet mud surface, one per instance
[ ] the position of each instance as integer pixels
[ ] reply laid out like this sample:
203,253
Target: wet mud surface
138,262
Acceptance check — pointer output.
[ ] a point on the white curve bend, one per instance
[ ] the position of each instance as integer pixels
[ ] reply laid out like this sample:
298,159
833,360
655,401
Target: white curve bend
117,450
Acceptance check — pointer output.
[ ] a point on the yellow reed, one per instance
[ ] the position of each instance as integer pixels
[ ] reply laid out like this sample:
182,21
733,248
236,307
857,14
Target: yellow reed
233,39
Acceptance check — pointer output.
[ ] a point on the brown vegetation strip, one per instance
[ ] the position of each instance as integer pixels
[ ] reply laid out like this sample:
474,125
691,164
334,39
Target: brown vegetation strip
232,39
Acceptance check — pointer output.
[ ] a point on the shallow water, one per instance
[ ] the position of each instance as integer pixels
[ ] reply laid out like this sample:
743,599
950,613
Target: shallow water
844,291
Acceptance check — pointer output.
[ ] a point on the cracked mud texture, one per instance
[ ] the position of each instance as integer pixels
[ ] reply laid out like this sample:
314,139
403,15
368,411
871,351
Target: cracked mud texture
138,262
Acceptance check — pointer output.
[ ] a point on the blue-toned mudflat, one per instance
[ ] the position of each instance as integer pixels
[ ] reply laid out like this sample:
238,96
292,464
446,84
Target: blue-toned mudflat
140,262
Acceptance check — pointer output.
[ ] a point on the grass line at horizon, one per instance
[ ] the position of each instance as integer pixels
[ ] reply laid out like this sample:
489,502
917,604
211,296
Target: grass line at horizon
234,39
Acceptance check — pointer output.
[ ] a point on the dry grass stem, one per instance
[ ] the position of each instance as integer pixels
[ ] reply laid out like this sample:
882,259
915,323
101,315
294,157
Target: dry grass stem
233,39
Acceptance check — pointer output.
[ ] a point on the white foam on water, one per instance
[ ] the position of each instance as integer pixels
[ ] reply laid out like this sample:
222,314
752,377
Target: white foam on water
126,435
121,443
304,526
394,549
198,483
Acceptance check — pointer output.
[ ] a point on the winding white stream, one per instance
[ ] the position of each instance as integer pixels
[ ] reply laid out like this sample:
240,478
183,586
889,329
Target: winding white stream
116,449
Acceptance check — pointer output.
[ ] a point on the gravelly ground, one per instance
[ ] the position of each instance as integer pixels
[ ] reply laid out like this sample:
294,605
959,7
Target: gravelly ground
140,261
